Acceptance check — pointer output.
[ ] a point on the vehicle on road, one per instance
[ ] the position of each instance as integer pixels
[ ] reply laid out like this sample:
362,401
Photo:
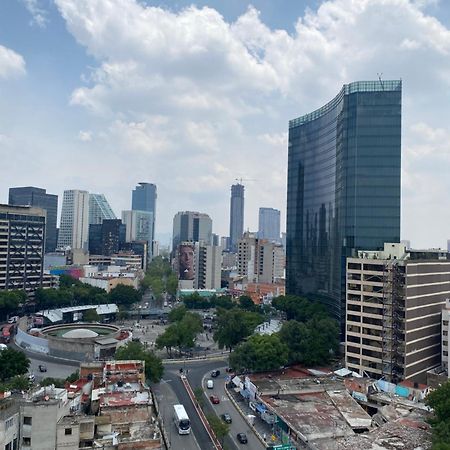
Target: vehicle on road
210,384
215,373
242,438
181,419
31,378
226,418
13,319
42,368
7,332
214,399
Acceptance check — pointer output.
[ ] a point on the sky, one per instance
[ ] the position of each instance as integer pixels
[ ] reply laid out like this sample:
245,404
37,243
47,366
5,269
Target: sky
103,94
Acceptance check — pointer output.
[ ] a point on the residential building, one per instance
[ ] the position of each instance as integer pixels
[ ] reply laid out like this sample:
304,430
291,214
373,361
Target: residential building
106,238
22,242
33,196
260,260
208,266
99,209
74,225
191,226
269,224
139,227
445,328
394,303
9,424
343,187
144,199
236,215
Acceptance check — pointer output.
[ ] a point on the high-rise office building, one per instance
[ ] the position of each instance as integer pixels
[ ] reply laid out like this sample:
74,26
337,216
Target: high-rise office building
139,227
343,187
269,224
144,199
33,196
395,299
22,242
74,225
236,215
106,238
191,226
99,209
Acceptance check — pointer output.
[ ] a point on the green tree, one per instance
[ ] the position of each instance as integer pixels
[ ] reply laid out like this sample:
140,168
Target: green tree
198,393
439,400
12,363
195,301
260,353
74,376
20,382
299,308
135,350
66,281
246,302
48,381
124,295
172,284
10,301
235,325
223,301
220,428
91,315
177,313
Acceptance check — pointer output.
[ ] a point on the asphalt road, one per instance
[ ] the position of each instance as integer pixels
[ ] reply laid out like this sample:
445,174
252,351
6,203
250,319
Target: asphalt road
171,391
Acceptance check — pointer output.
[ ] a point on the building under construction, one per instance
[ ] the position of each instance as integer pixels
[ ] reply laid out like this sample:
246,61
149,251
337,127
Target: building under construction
394,300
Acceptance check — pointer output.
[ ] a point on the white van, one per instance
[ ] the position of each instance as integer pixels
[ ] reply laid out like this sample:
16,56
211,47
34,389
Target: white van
210,384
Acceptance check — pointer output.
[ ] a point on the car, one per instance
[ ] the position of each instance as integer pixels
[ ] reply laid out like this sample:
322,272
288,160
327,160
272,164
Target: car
214,399
242,438
210,384
226,418
215,373
31,378
42,368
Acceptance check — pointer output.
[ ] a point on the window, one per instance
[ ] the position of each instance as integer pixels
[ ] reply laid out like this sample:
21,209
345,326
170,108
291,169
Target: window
27,420
445,323
67,431
445,353
9,423
26,441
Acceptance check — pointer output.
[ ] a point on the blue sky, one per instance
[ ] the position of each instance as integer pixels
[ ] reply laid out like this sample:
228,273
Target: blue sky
102,94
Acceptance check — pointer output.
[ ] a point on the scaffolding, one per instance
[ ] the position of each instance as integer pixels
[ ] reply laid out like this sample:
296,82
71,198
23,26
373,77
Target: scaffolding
393,321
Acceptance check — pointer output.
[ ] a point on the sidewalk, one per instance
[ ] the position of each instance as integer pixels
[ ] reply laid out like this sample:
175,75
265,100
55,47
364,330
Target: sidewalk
261,427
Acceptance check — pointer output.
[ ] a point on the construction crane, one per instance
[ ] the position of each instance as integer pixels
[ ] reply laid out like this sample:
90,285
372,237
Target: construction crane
240,180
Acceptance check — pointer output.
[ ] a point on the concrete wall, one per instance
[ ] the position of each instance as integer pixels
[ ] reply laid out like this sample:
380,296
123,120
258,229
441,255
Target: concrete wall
32,343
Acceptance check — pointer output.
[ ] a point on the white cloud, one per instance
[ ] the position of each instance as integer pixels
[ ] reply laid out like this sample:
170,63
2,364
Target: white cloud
85,136
38,13
11,63
191,95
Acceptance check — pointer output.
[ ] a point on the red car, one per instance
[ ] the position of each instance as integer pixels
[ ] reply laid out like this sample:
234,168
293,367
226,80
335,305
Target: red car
214,399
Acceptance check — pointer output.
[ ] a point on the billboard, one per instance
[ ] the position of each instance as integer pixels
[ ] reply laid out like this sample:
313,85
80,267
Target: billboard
186,261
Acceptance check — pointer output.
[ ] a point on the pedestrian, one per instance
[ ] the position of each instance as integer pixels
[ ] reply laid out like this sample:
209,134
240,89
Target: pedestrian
264,437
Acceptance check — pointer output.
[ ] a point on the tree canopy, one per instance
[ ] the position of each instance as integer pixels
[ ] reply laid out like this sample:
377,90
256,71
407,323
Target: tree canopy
259,353
439,400
160,277
135,350
234,325
124,295
12,363
91,315
10,301
299,308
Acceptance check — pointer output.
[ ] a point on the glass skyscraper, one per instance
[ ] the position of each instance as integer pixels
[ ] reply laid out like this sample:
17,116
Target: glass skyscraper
236,215
343,187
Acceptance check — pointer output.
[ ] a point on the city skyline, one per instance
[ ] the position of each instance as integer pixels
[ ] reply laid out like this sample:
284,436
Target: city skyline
193,138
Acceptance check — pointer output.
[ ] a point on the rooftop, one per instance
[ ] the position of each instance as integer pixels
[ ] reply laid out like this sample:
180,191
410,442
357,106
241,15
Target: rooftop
121,399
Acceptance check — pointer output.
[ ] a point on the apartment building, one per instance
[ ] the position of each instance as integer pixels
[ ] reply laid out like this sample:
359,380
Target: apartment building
394,300
445,321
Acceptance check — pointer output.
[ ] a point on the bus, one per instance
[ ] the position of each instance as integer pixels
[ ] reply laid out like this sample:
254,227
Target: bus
181,419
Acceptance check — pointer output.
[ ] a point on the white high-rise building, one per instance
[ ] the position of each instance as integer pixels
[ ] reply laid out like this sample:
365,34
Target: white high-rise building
139,227
99,209
74,224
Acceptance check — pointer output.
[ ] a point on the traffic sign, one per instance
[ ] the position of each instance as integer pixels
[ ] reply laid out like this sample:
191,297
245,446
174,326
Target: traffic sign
281,447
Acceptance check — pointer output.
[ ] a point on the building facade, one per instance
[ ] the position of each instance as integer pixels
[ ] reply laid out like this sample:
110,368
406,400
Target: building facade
236,215
106,238
99,209
394,304
343,187
445,328
33,196
144,199
22,242
191,226
139,227
74,225
269,224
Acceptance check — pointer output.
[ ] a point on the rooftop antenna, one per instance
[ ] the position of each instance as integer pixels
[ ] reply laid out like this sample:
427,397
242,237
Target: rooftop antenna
381,81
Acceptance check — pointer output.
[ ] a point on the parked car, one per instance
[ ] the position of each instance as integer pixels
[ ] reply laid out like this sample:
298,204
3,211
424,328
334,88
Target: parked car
215,373
210,384
42,368
242,438
226,418
214,399
13,319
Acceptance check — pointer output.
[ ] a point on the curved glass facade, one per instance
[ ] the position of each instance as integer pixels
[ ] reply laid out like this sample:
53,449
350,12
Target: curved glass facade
343,187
